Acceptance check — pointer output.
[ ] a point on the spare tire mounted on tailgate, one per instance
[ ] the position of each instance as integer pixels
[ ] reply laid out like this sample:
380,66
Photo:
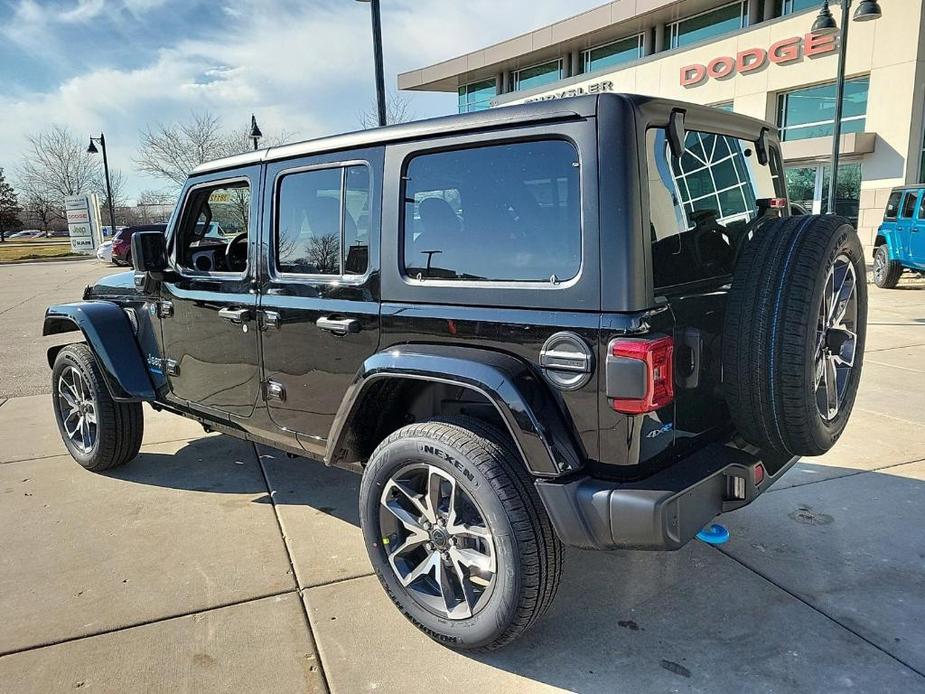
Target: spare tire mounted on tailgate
794,334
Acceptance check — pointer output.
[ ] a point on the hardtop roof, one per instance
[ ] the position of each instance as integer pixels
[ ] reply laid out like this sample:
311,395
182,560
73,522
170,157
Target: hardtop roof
576,107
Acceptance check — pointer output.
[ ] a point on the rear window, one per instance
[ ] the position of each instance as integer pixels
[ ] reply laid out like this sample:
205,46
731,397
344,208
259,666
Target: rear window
702,206
502,213
892,205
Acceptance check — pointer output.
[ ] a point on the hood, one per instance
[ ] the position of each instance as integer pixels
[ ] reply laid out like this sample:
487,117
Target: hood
119,284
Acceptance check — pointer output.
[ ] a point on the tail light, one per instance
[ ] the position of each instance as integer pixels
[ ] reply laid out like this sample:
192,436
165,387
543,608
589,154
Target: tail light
651,362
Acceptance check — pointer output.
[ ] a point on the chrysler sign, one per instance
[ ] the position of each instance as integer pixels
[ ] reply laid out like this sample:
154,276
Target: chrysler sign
780,53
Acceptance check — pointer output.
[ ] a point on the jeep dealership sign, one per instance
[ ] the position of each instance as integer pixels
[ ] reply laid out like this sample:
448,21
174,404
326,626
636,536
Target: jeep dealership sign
83,223
781,52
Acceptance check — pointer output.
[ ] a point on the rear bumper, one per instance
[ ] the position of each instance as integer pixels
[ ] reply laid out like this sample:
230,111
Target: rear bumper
663,511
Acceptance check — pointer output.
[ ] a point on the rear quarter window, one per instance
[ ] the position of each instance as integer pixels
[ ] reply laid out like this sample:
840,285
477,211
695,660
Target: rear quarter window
500,213
892,205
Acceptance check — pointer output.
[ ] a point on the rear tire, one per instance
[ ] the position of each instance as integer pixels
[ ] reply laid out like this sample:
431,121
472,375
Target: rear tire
792,363
886,272
493,490
98,432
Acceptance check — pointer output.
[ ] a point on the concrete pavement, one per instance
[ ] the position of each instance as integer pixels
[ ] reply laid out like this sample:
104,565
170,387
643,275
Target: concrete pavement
210,565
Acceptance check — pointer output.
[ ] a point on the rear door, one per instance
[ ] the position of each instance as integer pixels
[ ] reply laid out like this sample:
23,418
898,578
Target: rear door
319,297
906,225
917,234
208,314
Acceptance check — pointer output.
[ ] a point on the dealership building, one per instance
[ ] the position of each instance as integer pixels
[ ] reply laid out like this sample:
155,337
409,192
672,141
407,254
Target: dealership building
755,57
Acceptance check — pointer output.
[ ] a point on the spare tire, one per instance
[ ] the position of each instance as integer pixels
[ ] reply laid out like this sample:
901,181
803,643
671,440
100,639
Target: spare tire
793,339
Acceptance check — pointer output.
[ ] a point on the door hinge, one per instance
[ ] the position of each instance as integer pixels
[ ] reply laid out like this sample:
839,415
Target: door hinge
274,391
171,367
164,309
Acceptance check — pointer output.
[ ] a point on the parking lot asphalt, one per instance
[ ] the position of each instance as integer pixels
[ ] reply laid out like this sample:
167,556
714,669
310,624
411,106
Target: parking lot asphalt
211,565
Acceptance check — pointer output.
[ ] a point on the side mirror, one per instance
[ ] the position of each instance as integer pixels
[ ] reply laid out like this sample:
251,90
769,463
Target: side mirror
149,254
149,251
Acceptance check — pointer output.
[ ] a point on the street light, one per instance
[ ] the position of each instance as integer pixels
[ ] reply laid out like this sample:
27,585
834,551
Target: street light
93,150
255,131
825,24
377,57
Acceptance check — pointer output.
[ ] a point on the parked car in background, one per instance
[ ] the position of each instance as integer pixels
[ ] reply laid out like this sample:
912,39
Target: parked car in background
58,233
27,234
900,242
104,252
122,242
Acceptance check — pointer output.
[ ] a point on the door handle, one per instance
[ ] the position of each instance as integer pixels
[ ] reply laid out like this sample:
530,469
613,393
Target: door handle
235,315
339,326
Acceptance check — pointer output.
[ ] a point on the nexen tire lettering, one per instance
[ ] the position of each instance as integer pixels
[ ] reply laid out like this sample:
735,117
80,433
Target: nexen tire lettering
443,455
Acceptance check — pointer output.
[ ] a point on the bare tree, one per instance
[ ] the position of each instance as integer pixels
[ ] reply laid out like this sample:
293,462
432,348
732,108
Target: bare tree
57,164
323,253
171,151
119,197
42,210
397,110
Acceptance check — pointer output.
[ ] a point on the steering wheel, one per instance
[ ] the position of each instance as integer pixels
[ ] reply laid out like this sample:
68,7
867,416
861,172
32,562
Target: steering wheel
234,259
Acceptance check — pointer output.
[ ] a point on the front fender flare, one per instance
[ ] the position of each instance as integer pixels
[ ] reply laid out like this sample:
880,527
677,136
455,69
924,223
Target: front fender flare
109,334
525,402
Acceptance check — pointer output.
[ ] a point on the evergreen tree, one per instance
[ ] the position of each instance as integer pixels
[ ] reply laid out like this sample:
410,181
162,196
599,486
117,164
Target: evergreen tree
9,207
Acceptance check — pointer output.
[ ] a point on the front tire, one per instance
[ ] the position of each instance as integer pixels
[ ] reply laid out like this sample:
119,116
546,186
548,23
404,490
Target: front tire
98,432
457,534
886,271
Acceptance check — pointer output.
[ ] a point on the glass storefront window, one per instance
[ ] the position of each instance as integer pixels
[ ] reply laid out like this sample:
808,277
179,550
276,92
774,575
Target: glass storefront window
791,6
538,75
723,106
808,187
616,53
708,25
810,112
477,96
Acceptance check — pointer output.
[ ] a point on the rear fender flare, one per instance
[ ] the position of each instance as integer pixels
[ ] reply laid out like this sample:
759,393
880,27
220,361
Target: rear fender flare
524,401
109,334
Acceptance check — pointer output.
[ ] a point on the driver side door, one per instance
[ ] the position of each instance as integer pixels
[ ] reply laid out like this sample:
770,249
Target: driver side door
208,315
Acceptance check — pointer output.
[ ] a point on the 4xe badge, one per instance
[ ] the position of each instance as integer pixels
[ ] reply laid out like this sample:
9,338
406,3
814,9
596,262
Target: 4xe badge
661,430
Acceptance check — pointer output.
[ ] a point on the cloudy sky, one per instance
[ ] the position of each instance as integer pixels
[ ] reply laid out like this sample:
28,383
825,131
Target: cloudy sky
303,67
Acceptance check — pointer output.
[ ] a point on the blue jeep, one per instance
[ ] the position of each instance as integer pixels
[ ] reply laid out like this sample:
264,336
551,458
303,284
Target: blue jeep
900,243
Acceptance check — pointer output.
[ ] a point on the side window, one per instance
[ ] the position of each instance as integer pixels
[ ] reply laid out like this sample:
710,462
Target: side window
892,205
215,217
702,205
508,212
908,205
322,222
922,207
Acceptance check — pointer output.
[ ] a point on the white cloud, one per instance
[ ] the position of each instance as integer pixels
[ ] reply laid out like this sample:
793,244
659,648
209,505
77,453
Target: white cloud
301,67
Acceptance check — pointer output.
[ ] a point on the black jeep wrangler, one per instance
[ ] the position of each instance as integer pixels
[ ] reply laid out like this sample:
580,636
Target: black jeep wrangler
588,322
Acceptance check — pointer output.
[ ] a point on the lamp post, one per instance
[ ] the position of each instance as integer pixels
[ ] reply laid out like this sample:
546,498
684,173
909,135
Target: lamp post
255,133
825,24
93,150
377,57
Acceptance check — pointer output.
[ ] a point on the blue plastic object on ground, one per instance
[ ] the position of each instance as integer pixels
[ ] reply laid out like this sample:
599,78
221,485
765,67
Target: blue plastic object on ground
714,534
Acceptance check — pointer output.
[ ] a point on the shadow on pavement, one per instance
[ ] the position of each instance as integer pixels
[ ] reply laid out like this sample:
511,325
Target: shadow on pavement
224,465
691,613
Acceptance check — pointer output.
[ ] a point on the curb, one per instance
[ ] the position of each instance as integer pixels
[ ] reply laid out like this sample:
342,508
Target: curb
51,259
